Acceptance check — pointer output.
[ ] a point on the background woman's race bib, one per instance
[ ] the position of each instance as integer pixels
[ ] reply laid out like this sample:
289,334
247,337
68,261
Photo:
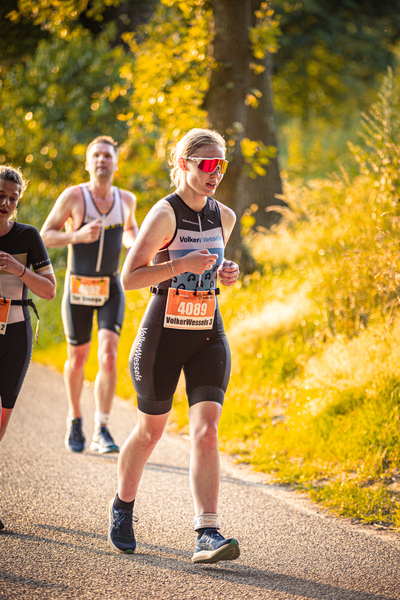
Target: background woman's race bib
4,310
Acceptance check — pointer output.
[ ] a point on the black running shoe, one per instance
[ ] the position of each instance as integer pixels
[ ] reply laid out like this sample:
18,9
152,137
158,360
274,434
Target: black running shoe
212,547
74,439
121,536
102,441
2,526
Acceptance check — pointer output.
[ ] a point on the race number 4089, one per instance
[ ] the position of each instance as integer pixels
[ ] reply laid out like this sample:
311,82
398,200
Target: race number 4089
192,308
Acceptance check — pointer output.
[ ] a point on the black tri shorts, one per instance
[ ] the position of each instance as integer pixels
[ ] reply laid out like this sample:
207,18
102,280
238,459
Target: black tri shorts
15,357
159,354
78,319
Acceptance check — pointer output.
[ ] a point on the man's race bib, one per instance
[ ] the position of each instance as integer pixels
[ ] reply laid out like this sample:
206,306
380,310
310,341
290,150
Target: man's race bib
4,310
90,291
188,309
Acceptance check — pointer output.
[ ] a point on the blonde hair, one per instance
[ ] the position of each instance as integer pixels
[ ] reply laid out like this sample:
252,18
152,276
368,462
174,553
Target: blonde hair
190,143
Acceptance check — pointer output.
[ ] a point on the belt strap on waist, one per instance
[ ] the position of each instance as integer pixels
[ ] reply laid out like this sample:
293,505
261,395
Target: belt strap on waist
29,302
164,291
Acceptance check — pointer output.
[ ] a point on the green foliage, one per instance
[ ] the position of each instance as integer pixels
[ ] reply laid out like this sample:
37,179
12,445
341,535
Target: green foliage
170,79
332,54
18,37
256,156
58,16
50,110
265,32
329,67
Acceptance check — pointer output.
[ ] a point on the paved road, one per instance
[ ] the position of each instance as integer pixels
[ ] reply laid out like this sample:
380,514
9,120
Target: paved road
55,545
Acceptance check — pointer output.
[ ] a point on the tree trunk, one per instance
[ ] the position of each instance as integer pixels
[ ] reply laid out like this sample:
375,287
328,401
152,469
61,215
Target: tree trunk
225,103
228,113
260,125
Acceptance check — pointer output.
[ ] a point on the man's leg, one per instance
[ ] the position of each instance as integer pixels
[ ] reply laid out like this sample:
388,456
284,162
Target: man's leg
104,390
73,378
211,546
106,379
132,459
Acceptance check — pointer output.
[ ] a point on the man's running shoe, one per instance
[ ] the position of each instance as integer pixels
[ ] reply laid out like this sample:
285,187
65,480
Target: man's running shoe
121,536
1,524
212,547
102,442
75,440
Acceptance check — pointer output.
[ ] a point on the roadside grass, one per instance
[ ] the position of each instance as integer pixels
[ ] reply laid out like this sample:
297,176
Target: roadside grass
314,394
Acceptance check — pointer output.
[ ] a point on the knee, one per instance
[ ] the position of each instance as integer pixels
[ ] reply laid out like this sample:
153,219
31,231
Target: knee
205,434
149,438
108,360
76,360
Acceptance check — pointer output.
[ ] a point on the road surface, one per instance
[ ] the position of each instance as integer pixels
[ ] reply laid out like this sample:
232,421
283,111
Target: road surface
54,506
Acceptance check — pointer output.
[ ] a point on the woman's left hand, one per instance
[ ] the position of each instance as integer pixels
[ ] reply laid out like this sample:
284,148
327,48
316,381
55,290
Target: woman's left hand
228,272
9,264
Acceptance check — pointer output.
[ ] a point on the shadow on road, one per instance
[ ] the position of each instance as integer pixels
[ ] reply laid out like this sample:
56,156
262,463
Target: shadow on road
160,557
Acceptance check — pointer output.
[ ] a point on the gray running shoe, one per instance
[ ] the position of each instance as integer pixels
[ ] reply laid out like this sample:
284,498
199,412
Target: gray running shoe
102,442
212,547
2,526
121,536
75,440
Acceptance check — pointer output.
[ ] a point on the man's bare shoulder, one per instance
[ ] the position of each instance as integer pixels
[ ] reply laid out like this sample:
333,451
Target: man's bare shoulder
127,196
72,194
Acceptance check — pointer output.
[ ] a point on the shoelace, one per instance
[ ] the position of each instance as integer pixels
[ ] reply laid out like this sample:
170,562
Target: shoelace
106,435
77,434
213,535
123,522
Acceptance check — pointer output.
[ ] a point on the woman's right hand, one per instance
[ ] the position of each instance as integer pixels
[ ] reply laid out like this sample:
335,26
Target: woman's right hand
197,262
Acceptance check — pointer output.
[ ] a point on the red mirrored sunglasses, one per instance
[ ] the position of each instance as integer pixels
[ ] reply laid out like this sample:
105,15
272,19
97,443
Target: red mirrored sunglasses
208,165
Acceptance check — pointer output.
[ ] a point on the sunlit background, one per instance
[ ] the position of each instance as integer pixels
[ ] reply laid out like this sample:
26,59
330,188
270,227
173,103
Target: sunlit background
313,324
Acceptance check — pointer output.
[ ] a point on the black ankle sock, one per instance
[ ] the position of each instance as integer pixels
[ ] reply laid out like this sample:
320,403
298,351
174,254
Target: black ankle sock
120,504
202,530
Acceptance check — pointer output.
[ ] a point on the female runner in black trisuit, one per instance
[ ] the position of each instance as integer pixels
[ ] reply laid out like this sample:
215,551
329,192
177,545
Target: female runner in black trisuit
21,248
179,253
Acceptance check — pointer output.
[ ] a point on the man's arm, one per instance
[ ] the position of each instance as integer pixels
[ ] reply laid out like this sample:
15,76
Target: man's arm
68,206
130,226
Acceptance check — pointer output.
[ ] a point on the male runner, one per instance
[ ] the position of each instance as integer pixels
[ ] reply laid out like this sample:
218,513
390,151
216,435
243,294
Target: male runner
94,220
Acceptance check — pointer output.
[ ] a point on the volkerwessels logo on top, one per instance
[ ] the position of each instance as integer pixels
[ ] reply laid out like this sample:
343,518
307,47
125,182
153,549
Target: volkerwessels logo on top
193,240
188,239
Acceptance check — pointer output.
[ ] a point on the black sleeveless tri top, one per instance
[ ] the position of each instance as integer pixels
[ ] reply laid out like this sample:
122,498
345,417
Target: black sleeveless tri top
194,231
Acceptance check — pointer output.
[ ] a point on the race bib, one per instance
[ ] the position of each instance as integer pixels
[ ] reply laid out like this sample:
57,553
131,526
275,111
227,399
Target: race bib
4,310
89,291
188,309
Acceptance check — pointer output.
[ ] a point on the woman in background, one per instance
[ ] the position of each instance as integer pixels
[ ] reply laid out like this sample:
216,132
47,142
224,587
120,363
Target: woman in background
21,248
